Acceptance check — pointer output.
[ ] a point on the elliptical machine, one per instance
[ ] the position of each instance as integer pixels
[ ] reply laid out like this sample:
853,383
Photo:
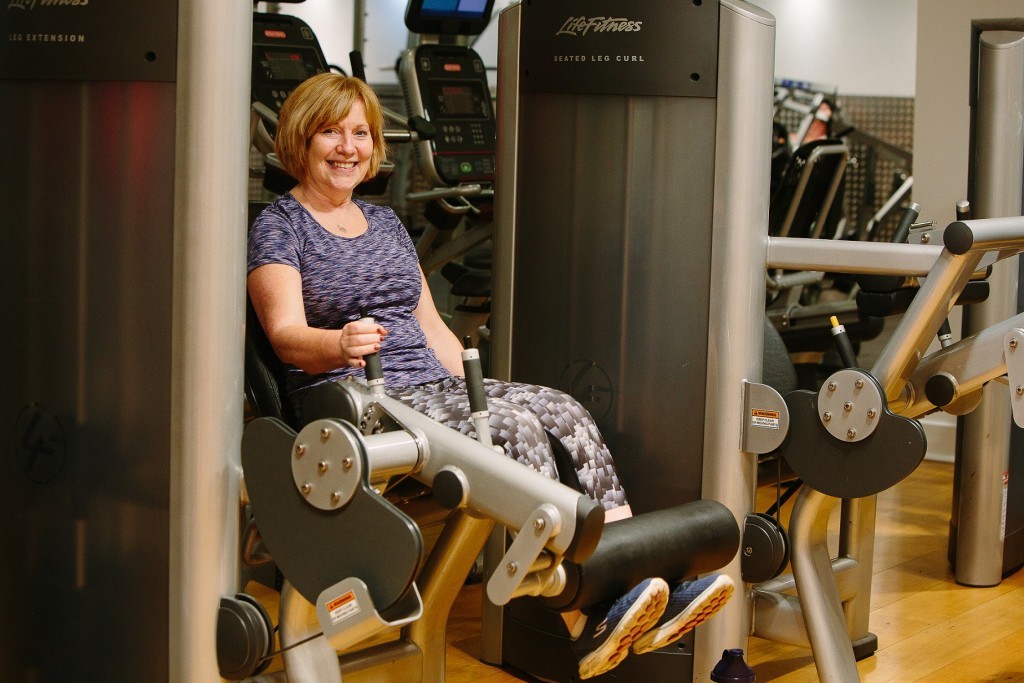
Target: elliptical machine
444,82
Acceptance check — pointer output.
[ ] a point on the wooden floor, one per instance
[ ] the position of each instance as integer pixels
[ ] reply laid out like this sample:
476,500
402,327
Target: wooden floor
928,627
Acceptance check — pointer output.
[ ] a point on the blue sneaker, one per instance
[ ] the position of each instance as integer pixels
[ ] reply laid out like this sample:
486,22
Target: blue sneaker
609,631
691,604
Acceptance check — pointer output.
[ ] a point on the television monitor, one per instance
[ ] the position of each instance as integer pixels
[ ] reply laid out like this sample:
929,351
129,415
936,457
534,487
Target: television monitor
448,17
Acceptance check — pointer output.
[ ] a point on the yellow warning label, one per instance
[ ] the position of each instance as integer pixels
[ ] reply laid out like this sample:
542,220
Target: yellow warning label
343,607
765,419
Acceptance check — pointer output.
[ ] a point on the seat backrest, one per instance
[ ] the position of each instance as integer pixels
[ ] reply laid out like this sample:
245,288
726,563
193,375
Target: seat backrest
264,373
808,187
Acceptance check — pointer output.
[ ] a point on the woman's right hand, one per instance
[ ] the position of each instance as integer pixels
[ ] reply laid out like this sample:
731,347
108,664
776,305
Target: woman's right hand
360,338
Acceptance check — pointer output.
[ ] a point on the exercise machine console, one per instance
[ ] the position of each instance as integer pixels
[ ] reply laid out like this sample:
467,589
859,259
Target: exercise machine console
446,83
445,86
285,52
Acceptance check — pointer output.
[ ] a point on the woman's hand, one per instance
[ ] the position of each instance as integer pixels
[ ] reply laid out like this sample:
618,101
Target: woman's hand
360,338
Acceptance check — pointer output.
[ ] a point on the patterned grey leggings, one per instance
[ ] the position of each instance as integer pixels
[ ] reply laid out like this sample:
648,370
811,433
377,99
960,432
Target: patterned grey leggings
522,418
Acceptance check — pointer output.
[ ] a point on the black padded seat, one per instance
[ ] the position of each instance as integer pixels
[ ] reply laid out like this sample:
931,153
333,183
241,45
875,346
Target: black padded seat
264,373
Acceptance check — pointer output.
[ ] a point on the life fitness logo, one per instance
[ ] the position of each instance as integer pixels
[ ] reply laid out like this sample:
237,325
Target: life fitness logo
31,4
581,26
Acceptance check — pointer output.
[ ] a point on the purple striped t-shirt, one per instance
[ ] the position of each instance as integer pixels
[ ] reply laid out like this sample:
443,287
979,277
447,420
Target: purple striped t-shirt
377,270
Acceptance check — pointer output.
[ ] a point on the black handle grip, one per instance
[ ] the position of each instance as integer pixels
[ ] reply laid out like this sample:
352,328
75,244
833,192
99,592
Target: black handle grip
373,369
426,130
843,344
474,373
910,215
358,68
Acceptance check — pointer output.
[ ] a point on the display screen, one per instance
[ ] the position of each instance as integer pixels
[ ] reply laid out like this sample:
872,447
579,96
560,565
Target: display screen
460,99
454,9
287,66
448,17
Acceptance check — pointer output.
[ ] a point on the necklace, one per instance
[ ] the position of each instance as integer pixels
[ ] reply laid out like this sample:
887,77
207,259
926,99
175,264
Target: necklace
324,216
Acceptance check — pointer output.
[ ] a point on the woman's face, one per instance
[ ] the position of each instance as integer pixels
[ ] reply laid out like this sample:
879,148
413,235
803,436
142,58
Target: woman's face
339,154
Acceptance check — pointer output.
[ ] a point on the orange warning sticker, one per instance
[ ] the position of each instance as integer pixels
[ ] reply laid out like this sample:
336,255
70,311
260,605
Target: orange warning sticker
766,419
342,607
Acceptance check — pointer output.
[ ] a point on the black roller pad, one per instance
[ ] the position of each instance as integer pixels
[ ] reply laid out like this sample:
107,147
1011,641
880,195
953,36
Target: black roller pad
368,538
673,543
845,469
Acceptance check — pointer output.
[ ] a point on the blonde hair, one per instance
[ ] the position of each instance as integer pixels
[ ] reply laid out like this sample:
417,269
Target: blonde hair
318,101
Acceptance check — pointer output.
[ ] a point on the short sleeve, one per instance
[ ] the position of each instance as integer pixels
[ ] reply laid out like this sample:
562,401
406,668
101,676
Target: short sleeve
387,219
273,239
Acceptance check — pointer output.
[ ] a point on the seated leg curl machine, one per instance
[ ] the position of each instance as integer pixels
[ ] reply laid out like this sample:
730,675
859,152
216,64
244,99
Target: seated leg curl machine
850,440
360,559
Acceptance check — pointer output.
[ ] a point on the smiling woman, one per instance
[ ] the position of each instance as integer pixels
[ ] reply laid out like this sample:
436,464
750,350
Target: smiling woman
320,259
324,102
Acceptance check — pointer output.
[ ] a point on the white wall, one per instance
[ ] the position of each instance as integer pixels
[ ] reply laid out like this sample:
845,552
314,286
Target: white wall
941,113
866,47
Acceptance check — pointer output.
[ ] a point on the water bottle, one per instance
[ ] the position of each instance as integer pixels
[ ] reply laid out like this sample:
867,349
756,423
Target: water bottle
732,669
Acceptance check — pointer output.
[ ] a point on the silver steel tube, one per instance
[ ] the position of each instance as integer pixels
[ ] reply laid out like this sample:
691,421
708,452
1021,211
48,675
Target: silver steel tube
500,488
819,597
504,268
311,662
391,453
857,543
779,617
736,318
470,190
986,234
879,258
997,177
972,362
205,421
919,324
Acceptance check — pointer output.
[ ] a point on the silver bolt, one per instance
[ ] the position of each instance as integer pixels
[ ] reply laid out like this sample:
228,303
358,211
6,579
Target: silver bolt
851,433
826,417
859,384
322,466
871,413
300,450
306,488
346,463
1020,390
511,568
538,524
847,406
748,550
325,434
831,386
335,498
925,238
1013,343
